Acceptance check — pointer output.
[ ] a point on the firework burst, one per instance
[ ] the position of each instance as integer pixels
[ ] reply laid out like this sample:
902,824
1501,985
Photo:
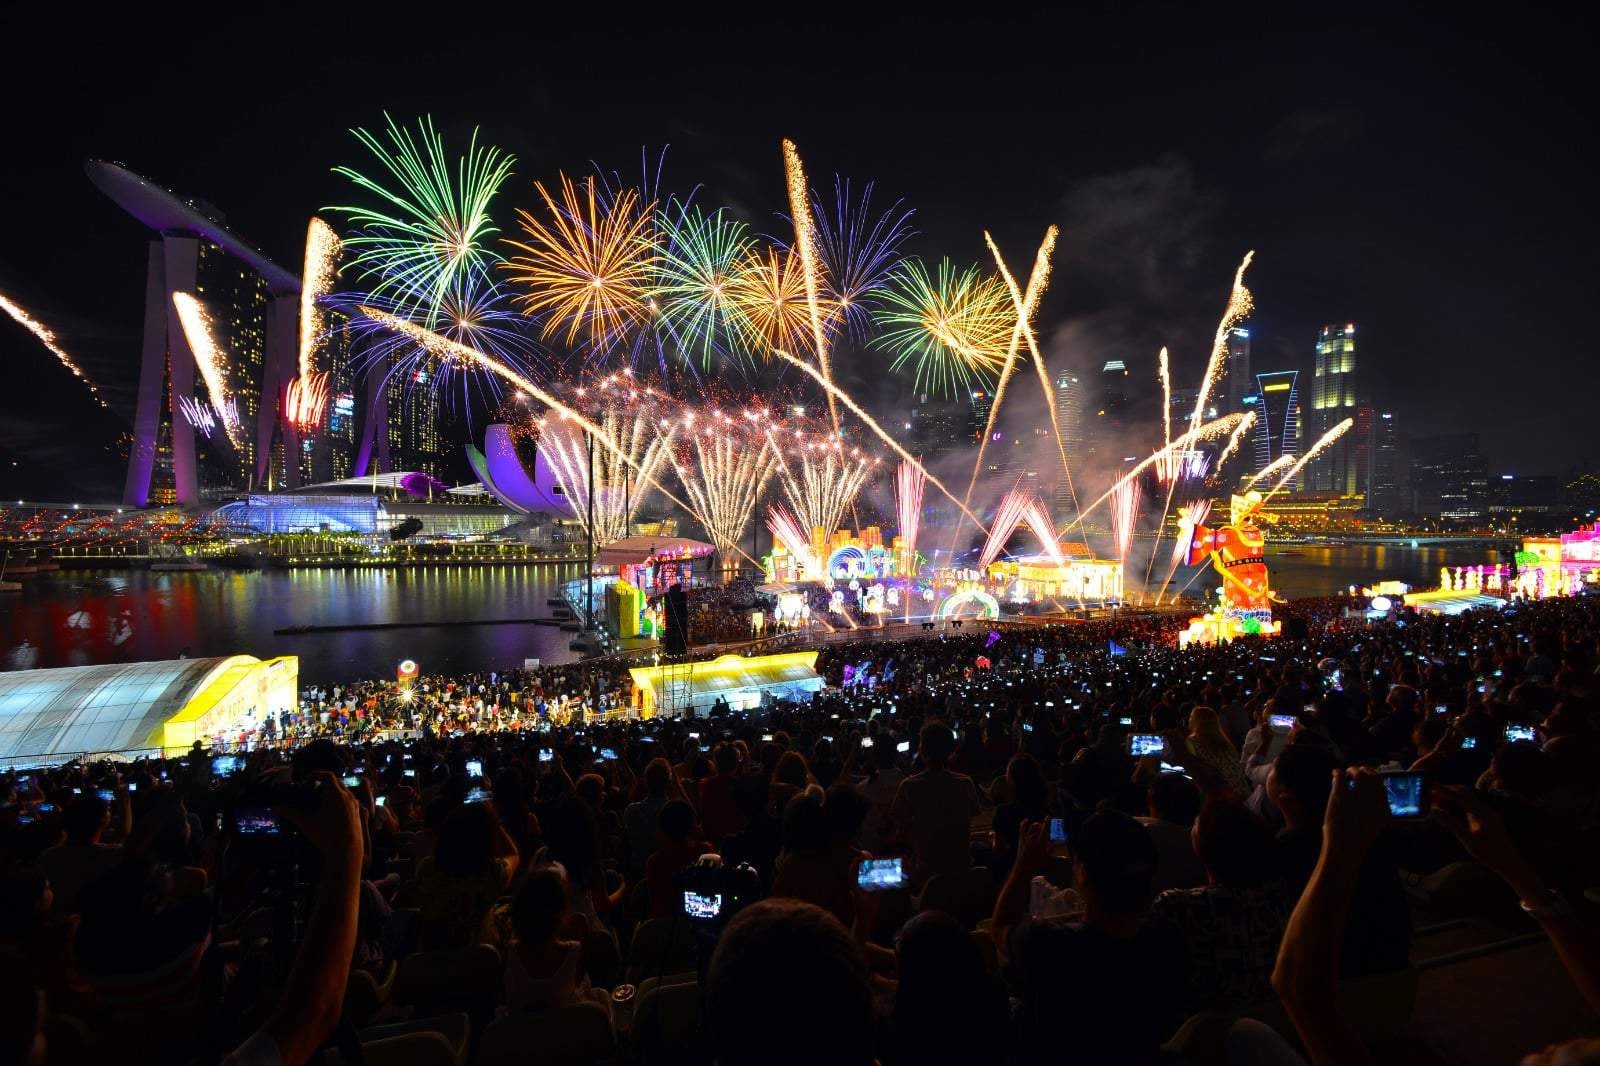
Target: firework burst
787,530
768,293
723,467
47,337
587,265
694,282
952,327
428,236
1315,450
210,361
305,400
820,478
323,248
641,445
1240,304
859,252
909,483
1124,517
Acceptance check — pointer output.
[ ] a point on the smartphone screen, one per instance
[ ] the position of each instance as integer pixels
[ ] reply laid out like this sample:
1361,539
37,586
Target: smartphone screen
609,753
878,875
702,906
381,800
866,742
1141,744
1282,722
1407,793
408,773
256,822
1058,830
351,780
903,747
475,767
1519,732
545,755
1468,743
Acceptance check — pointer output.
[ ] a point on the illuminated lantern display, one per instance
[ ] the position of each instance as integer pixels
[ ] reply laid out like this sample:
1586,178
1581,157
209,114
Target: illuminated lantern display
1245,599
405,674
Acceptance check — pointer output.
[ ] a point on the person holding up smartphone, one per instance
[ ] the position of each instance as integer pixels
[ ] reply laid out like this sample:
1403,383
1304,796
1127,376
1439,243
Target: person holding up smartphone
314,996
1114,981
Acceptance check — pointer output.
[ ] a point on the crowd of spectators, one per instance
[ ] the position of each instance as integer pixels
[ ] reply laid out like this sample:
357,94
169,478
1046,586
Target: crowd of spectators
1064,899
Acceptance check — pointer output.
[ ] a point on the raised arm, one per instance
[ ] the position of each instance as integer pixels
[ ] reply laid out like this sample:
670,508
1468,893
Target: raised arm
1482,832
1306,977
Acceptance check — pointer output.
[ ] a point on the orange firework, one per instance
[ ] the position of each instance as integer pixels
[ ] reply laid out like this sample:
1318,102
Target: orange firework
770,308
588,267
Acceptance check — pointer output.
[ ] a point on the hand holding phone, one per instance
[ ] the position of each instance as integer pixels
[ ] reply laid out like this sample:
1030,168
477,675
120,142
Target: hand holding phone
1058,831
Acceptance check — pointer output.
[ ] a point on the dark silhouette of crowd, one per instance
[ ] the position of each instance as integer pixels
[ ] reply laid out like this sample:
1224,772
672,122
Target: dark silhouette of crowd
1026,843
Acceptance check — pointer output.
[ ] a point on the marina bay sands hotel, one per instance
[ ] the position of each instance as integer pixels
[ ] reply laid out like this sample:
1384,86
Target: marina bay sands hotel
373,422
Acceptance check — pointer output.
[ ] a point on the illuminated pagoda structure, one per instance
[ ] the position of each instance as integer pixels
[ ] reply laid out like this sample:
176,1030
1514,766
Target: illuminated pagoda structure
1078,577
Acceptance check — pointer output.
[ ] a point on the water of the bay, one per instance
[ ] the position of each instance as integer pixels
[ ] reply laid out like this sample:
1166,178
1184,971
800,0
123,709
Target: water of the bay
74,618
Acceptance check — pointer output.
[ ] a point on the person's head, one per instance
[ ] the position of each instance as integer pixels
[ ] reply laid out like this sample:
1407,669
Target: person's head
1233,844
1114,859
316,757
85,818
1173,798
791,770
780,960
676,821
939,966
466,841
1523,769
1402,699
726,759
540,905
1299,782
935,744
1028,787
844,808
657,776
1428,731
1205,726
805,825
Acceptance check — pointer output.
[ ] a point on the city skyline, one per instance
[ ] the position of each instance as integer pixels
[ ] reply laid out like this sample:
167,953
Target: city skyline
1167,205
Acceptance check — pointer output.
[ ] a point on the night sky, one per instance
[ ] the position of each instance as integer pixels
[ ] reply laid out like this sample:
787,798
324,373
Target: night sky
1428,178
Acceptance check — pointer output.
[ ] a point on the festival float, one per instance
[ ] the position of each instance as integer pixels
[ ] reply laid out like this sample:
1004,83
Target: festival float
1235,551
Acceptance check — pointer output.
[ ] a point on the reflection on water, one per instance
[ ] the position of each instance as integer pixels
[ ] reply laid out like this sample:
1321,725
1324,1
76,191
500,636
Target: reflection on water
1322,571
78,618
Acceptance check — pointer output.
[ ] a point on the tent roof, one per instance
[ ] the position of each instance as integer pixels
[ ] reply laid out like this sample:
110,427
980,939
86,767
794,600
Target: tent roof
731,672
91,709
635,551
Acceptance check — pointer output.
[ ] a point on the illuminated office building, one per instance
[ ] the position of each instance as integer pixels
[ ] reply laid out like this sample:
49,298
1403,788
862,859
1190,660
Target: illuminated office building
1277,428
1334,398
1241,385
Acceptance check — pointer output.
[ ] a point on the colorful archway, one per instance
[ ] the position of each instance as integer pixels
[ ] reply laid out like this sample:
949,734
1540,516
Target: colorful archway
988,606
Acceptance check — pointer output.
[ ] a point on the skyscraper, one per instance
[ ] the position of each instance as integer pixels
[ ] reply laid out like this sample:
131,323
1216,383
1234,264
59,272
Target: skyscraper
1450,479
1334,396
1072,412
242,292
1377,458
1277,428
1241,385
415,441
